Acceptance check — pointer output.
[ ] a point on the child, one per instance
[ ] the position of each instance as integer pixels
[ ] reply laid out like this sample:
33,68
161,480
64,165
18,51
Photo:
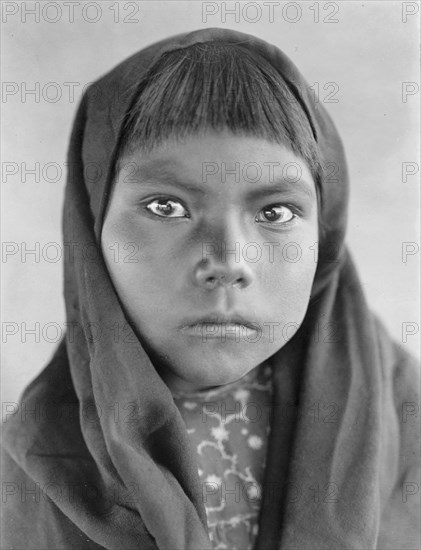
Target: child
222,383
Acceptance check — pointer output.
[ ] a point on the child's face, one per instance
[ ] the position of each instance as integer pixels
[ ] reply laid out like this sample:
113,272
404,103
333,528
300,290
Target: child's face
204,237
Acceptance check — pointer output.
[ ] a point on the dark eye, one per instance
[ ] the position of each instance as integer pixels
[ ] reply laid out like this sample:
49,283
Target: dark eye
167,208
275,213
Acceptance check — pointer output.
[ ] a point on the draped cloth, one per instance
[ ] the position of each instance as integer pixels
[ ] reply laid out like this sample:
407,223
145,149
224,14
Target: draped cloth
104,459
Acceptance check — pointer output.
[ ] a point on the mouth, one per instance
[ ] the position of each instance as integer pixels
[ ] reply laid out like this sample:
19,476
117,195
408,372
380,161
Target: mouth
220,326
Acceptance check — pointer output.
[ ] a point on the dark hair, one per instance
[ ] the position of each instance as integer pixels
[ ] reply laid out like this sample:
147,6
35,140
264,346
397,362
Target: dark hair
217,86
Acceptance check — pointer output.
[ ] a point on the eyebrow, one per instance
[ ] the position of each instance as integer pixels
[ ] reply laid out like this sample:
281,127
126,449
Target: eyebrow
285,185
166,173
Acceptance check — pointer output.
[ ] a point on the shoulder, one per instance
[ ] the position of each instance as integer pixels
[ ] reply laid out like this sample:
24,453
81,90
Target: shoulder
400,415
401,392
30,519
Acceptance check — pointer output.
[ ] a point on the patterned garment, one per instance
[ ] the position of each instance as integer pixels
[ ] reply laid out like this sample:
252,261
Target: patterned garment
229,427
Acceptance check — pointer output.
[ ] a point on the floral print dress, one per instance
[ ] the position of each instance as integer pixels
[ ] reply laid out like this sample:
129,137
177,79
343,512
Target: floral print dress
229,428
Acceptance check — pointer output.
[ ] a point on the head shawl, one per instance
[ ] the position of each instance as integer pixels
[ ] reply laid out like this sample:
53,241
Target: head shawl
109,435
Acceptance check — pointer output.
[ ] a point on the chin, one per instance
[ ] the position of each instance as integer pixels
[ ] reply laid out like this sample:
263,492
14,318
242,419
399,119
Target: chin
217,367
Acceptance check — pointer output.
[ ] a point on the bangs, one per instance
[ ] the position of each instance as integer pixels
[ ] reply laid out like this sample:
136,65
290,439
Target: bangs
214,86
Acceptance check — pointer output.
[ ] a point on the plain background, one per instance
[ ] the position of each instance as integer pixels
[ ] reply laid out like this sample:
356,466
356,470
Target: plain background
369,53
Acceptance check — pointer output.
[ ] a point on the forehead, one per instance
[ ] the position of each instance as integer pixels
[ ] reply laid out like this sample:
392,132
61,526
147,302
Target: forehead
219,157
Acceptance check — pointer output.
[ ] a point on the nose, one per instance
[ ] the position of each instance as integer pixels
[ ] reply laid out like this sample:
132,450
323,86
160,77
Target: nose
222,262
210,274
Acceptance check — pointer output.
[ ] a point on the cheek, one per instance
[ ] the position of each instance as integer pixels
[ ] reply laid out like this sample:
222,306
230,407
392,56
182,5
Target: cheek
121,233
137,260
291,281
287,278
